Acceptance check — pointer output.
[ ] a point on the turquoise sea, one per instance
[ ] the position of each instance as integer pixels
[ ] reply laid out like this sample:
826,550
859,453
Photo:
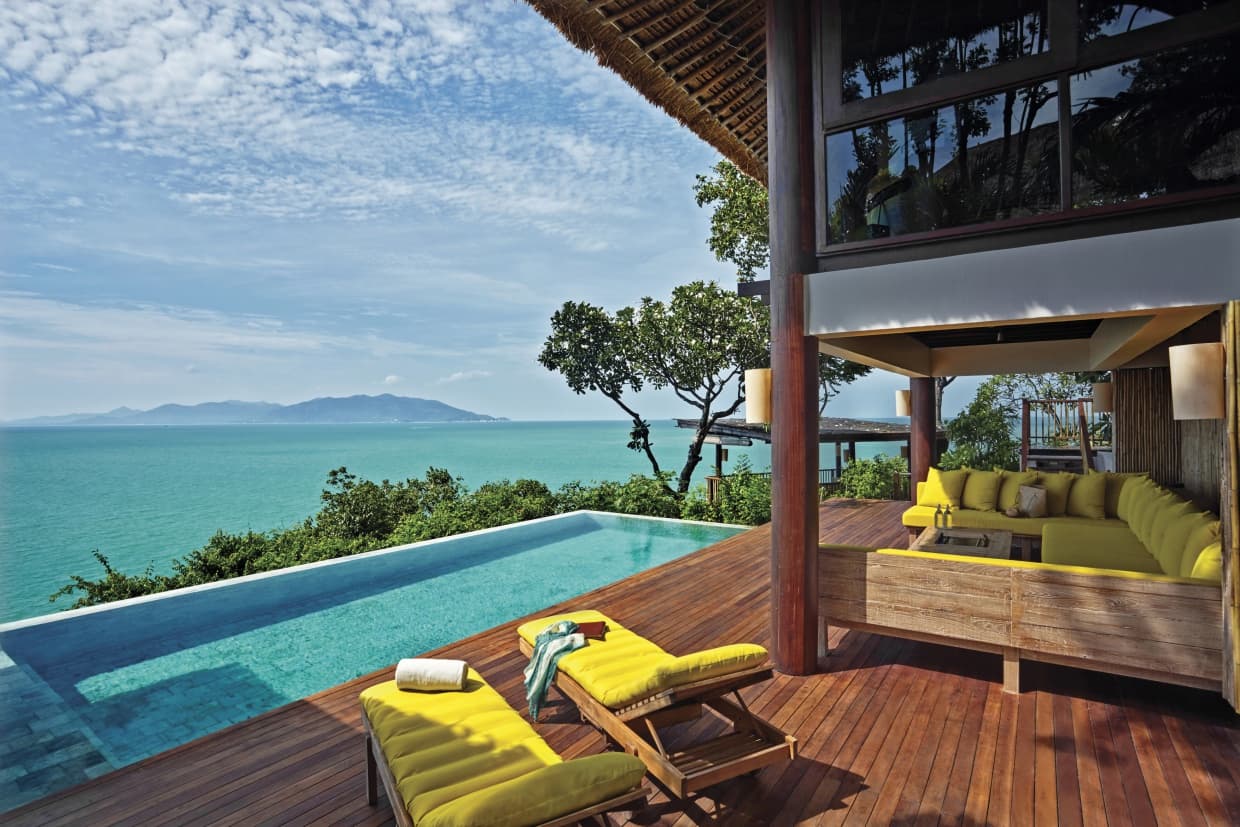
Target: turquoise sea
145,495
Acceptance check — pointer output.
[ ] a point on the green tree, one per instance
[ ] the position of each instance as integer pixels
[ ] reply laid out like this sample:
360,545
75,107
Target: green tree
872,479
698,344
740,234
983,434
739,220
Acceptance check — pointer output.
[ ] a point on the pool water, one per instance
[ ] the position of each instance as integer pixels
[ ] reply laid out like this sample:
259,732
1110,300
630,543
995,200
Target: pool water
130,680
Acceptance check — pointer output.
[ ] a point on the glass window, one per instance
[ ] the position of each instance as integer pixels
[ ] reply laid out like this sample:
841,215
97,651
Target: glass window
979,160
898,44
1160,124
1100,18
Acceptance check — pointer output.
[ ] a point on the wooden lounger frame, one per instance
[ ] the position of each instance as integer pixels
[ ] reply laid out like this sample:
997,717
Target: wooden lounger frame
377,768
750,744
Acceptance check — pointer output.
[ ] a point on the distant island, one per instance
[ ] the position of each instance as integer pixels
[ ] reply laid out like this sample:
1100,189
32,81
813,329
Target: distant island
328,410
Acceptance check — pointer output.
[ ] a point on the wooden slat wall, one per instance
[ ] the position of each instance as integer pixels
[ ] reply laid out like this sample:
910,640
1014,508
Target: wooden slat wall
1202,453
1147,438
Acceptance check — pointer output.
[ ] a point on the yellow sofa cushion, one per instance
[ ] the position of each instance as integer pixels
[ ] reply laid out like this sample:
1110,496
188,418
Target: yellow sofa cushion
543,794
1203,536
1209,563
1096,544
1115,487
441,746
1132,494
624,668
942,487
1168,516
1058,487
1009,487
981,490
1171,548
1150,511
1088,496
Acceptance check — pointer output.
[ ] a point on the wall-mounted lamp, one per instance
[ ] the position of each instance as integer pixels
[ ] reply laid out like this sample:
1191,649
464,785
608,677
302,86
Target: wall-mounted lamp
1104,397
758,396
904,402
1197,381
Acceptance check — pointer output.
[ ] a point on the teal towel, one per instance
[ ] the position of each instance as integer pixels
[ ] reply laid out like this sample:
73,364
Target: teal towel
552,643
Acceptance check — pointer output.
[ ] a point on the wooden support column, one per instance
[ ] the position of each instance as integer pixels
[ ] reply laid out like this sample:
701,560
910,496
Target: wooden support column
794,356
923,435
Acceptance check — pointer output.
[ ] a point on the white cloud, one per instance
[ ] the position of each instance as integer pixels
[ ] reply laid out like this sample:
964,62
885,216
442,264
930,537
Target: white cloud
391,379
464,376
193,336
351,108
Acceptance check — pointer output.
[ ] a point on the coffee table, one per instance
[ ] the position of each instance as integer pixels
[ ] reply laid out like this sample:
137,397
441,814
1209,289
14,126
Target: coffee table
995,543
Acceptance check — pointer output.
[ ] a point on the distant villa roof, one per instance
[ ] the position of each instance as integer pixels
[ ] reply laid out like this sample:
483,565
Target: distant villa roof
830,429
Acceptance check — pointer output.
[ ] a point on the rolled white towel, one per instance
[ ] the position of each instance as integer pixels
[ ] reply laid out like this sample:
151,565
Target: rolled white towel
431,674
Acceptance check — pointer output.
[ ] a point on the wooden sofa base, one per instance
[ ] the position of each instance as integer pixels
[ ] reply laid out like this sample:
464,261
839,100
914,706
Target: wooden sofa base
1156,629
377,770
749,744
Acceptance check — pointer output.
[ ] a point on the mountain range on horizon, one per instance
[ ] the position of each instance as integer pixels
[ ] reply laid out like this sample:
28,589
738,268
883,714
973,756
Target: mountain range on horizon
327,410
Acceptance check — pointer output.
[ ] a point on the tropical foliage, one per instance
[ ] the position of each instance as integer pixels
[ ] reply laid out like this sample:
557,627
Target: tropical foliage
873,479
744,498
361,515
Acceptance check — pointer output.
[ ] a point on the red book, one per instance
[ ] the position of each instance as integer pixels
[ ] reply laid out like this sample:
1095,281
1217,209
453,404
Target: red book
594,630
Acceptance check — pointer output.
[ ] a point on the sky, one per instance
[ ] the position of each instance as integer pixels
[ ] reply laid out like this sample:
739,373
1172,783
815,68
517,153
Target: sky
283,200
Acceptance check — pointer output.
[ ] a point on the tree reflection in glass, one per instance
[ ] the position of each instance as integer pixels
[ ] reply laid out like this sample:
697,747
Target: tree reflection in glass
1103,18
984,159
1161,124
903,43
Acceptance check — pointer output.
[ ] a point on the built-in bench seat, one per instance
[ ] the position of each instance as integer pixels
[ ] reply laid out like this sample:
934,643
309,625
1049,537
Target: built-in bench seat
1129,583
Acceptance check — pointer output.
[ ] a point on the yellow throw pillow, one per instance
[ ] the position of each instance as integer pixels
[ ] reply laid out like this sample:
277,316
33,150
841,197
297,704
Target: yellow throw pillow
1209,563
981,490
1132,496
1172,544
1202,537
1115,487
1031,501
1166,517
1088,497
1057,488
943,487
1010,485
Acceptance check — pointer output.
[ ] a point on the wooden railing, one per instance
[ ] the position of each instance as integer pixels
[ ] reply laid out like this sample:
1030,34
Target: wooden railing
1064,431
828,483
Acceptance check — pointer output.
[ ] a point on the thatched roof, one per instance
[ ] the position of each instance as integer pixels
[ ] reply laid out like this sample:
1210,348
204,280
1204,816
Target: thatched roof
701,61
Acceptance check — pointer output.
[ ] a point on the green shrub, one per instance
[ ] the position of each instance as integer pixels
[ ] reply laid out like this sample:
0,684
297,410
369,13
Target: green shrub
872,479
744,499
359,515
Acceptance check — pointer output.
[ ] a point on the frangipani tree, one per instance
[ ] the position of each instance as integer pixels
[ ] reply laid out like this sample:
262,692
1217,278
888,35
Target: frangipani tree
698,344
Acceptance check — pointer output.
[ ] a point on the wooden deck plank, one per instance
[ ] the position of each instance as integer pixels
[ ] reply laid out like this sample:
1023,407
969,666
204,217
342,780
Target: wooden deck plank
891,731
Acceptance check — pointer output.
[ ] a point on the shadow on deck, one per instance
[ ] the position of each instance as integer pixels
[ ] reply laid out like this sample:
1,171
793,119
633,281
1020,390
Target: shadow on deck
895,733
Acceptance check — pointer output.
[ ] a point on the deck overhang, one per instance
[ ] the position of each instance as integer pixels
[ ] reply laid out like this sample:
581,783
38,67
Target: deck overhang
1173,278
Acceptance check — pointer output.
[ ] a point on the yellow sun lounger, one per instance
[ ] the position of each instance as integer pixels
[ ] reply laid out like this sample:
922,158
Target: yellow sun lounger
453,759
630,688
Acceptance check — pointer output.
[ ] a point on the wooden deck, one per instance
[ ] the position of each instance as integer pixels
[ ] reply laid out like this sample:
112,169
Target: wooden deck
895,733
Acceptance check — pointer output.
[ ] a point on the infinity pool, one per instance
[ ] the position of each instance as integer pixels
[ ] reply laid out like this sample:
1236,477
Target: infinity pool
86,691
